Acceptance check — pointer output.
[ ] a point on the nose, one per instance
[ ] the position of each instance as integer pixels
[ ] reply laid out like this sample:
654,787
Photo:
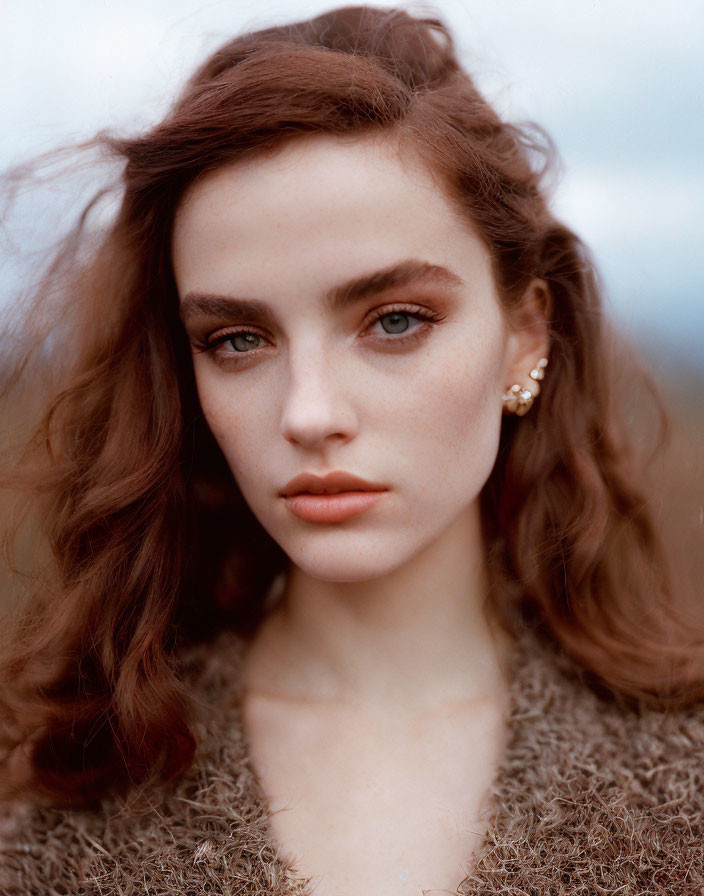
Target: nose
316,407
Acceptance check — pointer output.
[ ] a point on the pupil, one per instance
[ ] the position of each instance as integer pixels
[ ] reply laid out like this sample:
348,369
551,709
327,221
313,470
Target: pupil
399,322
247,340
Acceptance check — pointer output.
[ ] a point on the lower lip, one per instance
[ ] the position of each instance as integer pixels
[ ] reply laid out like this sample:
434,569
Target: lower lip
331,508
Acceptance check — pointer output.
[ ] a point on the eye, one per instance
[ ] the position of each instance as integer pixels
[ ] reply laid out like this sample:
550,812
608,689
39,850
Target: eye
395,322
230,343
236,346
240,342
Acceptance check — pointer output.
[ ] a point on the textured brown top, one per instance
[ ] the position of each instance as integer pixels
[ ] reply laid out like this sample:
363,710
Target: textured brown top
590,798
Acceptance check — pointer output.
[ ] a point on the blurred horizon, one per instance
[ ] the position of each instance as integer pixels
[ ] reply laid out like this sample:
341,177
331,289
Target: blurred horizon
617,85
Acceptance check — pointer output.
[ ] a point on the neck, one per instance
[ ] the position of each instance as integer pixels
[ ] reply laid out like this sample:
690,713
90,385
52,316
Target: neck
415,637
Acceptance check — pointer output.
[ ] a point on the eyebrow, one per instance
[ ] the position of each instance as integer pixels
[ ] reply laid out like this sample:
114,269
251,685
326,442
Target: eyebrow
405,273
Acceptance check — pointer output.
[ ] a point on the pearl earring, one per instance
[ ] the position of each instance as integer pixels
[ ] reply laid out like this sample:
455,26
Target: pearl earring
519,400
538,372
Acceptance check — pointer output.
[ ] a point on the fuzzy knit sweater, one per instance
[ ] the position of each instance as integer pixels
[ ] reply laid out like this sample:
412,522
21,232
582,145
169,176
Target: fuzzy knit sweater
590,798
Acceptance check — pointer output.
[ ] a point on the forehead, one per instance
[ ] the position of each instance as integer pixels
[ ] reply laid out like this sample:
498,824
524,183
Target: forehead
318,211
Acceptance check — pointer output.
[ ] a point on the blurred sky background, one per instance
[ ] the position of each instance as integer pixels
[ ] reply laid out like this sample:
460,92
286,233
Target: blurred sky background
618,84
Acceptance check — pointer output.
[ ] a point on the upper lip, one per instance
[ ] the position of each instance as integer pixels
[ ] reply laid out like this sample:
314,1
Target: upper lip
337,481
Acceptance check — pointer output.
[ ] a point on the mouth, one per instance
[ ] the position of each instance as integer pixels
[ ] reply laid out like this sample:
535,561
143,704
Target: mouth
322,493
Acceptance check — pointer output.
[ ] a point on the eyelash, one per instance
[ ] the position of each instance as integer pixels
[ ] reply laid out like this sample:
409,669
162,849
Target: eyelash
213,342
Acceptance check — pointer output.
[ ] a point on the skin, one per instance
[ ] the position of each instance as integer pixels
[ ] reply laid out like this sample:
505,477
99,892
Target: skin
381,635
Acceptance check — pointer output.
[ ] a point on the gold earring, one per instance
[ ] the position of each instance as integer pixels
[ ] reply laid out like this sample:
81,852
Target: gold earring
519,400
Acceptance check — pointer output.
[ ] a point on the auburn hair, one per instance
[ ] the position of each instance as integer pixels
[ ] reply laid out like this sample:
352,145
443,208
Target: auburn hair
144,540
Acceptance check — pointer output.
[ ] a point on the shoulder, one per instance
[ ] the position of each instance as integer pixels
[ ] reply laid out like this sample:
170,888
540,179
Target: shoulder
206,831
593,790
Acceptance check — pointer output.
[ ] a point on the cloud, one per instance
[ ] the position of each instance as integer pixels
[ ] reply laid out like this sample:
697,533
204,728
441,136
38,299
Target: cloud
617,83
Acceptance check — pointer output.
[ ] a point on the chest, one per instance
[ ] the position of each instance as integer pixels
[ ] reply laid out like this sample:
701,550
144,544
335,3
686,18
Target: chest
380,805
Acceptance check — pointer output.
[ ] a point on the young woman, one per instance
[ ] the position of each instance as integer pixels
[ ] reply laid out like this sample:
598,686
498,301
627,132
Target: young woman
348,587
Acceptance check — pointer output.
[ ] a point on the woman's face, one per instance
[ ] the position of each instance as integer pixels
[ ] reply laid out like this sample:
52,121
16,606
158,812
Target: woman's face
344,317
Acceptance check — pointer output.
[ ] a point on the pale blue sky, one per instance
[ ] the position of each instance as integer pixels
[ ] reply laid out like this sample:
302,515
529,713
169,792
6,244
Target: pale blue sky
619,85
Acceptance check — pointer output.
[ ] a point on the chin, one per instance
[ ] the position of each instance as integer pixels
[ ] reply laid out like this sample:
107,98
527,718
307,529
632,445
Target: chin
351,563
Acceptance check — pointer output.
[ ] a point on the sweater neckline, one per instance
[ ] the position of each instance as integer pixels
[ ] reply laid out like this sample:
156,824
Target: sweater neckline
528,646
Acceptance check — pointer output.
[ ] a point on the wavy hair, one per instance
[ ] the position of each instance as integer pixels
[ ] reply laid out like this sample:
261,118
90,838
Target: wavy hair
147,539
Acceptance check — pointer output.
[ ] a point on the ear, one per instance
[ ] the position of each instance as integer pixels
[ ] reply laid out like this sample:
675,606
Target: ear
529,337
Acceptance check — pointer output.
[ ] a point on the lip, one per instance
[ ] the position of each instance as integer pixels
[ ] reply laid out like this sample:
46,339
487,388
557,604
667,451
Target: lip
331,508
332,483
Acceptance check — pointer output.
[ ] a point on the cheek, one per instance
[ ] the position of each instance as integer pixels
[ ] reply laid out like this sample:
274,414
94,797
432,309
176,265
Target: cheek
212,406
235,424
453,415
473,399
